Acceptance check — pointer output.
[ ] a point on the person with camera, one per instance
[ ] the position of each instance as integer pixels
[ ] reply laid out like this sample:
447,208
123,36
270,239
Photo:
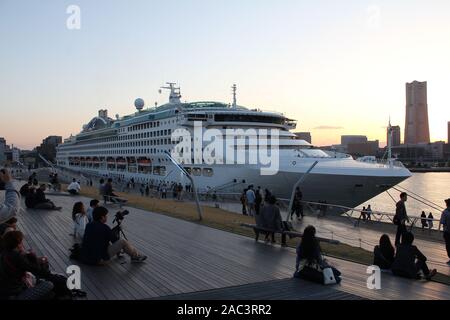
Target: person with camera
100,243
11,205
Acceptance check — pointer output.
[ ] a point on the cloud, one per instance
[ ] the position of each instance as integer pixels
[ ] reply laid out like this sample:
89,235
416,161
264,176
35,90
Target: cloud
328,128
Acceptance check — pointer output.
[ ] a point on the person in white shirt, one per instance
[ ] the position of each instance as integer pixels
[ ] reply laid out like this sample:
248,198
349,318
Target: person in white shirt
80,221
74,188
92,205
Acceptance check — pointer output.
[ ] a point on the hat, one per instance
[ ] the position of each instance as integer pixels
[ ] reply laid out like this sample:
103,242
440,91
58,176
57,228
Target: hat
447,201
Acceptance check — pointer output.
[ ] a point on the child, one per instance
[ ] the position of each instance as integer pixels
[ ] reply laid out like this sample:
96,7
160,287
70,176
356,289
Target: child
80,221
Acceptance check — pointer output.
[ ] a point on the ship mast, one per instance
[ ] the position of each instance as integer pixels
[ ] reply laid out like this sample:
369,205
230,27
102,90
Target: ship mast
234,88
175,92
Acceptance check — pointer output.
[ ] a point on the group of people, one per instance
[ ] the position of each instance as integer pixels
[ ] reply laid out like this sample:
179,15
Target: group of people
427,222
366,214
97,242
23,275
35,198
252,200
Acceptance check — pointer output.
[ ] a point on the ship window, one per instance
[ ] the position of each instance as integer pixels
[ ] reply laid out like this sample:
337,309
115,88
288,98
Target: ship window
197,171
208,172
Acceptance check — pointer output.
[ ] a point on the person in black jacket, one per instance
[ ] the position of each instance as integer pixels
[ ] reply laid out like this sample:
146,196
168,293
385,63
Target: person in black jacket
401,217
384,253
409,261
41,202
15,266
100,244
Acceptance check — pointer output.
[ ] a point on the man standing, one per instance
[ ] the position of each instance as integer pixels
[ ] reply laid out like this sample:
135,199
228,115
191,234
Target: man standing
251,197
445,221
401,217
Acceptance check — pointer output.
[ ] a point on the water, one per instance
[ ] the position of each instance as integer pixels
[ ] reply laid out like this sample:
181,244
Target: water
433,186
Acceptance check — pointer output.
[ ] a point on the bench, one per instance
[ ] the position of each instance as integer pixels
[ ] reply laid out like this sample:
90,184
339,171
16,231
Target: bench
291,234
114,200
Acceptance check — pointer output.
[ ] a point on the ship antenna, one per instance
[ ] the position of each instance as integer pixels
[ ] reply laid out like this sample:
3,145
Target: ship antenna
234,88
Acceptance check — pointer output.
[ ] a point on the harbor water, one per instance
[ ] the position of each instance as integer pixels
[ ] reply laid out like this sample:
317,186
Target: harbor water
433,186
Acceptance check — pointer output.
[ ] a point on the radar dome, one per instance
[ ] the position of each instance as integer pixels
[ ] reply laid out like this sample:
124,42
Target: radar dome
139,104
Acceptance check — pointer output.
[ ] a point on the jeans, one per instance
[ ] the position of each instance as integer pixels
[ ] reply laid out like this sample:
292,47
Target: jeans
401,230
447,242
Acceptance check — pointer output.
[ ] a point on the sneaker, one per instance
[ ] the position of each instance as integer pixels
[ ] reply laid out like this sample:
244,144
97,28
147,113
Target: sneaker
138,258
431,274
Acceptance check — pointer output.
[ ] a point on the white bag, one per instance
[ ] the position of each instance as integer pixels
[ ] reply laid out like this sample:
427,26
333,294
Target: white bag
328,276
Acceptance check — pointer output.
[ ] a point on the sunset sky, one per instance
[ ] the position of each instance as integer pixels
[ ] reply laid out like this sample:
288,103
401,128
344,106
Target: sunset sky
336,68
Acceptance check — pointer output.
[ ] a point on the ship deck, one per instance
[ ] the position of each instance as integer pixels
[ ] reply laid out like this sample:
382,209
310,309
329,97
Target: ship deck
190,261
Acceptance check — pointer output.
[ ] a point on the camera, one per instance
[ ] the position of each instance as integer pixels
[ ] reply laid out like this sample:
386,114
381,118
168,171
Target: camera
120,215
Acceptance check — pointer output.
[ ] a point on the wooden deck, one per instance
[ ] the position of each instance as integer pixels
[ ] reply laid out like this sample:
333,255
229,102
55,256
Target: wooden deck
187,258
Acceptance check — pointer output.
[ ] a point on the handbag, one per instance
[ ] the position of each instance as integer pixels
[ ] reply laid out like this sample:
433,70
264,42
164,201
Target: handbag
328,276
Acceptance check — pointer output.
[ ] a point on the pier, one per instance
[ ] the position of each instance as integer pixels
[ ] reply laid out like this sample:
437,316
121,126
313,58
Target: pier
187,260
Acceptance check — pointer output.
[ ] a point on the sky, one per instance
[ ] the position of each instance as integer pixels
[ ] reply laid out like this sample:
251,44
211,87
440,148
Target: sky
337,68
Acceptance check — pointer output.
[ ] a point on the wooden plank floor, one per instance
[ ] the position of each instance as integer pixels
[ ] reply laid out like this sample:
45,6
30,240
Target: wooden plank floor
286,289
185,257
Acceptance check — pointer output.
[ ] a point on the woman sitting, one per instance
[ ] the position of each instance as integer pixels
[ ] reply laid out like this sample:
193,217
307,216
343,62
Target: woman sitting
80,220
17,272
310,263
384,253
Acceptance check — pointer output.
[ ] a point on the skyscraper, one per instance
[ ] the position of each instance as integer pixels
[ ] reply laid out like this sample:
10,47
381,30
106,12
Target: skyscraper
396,136
416,121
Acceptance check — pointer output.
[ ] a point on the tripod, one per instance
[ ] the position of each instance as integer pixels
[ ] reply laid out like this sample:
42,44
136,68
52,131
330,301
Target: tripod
119,232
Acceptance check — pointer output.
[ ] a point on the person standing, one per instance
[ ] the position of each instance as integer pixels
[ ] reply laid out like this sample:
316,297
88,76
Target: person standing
258,200
244,202
251,197
369,213
297,206
445,222
423,220
430,221
401,217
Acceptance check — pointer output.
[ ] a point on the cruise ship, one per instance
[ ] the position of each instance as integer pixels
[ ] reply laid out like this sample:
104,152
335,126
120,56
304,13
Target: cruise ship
136,147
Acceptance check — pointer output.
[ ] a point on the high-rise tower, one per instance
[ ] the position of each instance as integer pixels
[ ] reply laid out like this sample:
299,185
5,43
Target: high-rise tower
416,122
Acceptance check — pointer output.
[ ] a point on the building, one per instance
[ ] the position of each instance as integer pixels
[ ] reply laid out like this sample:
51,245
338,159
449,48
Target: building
304,136
396,136
448,132
416,120
2,150
48,147
346,140
368,148
422,152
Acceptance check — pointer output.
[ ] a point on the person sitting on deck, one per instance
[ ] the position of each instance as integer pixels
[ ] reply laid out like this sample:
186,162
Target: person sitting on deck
25,189
384,253
271,219
310,263
9,208
74,188
80,220
409,261
109,193
41,202
10,225
92,205
100,244
18,272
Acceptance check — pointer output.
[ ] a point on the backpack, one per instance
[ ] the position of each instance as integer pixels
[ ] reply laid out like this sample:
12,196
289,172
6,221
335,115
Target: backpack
75,252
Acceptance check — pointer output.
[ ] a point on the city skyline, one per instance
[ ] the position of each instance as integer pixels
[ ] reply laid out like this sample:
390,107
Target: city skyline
316,63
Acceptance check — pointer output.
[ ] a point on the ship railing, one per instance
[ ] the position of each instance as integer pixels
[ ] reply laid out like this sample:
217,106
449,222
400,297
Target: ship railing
383,162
